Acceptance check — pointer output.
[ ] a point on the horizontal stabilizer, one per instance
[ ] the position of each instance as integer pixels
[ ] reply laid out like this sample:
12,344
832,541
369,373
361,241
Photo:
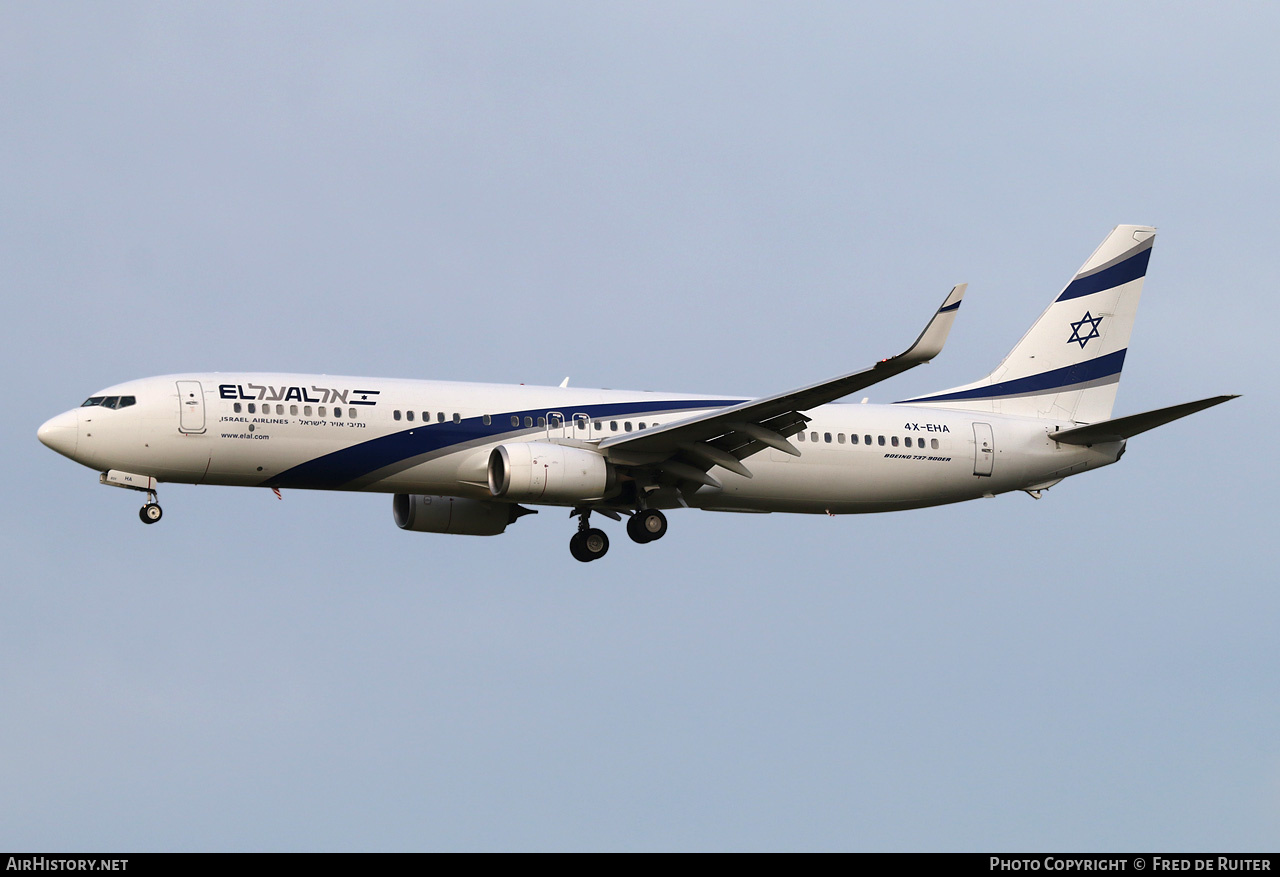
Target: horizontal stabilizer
1127,427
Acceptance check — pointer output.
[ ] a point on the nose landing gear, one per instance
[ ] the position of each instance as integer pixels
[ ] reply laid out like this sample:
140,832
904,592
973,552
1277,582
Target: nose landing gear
150,513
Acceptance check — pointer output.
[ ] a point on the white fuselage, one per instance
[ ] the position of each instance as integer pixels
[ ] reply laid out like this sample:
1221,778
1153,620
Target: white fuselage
435,437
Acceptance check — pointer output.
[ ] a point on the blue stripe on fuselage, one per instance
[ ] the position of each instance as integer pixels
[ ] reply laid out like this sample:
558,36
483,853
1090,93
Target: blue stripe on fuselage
341,467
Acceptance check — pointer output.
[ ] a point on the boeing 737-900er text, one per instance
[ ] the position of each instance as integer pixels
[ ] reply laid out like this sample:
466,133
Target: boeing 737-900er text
467,458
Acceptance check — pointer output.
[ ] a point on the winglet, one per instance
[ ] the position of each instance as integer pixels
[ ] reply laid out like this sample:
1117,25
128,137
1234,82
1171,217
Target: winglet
930,342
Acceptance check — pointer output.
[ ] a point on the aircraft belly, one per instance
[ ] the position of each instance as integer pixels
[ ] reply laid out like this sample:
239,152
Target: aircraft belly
844,486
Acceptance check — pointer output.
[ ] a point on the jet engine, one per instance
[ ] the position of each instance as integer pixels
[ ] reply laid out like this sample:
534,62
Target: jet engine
453,514
544,472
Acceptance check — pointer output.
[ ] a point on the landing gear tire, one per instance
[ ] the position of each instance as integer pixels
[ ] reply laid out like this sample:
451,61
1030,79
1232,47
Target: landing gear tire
647,525
150,513
588,545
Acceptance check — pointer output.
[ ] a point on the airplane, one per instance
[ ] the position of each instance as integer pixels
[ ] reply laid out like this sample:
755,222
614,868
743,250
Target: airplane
466,458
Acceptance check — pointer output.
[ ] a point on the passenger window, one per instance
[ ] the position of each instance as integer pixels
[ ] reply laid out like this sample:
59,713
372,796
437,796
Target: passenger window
840,437
813,436
351,412
487,420
933,443
800,436
613,426
880,440
439,417
426,417
337,412
582,424
408,415
236,408
252,408
894,441
542,421
642,424
853,438
826,437
306,411
395,415
528,421
597,425
515,420
321,412
627,426
92,401
293,410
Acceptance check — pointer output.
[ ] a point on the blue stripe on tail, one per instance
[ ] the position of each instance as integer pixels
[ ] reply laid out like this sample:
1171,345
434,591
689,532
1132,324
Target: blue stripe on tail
1108,278
1046,382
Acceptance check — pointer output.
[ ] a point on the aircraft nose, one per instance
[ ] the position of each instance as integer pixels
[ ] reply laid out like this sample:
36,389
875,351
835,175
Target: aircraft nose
61,433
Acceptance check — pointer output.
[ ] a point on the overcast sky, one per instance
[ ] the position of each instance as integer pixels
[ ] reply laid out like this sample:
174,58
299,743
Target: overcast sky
723,198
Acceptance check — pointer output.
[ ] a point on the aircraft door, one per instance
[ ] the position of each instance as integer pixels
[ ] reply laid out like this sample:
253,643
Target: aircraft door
190,407
557,426
984,449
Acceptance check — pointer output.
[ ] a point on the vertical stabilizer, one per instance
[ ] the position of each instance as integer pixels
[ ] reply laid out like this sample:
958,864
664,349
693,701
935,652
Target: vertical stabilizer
1067,366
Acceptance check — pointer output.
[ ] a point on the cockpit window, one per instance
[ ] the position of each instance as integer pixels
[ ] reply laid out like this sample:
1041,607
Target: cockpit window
110,401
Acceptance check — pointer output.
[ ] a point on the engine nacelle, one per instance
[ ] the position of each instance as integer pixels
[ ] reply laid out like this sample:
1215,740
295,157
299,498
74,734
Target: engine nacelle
452,514
544,472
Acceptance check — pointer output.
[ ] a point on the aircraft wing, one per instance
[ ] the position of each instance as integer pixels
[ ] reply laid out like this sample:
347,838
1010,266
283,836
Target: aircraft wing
686,449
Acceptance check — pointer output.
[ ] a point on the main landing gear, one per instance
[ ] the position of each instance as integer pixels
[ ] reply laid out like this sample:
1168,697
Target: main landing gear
590,543
647,525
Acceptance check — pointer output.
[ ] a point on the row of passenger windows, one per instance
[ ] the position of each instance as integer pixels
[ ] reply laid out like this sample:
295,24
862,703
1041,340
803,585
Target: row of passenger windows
880,440
322,411
426,416
580,422
613,425
529,421
110,401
